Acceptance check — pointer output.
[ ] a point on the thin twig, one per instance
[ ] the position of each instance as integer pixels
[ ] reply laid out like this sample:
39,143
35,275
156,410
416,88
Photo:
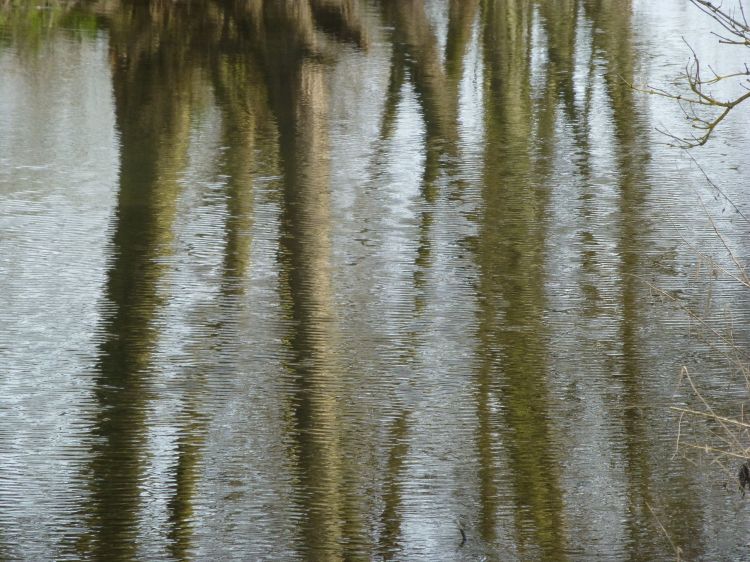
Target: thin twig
679,432
717,188
708,449
686,373
677,549
704,414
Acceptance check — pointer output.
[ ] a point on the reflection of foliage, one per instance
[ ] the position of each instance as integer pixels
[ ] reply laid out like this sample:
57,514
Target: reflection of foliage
26,24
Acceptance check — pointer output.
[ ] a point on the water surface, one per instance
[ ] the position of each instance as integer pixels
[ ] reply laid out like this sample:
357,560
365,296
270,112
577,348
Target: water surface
343,279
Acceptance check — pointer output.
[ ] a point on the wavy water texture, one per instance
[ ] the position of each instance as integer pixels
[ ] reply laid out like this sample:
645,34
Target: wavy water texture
355,279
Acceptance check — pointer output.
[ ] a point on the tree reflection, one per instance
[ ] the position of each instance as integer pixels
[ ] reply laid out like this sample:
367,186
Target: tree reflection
416,53
613,22
511,257
158,44
268,65
153,124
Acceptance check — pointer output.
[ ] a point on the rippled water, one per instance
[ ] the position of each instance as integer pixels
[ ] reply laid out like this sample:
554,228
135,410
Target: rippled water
343,279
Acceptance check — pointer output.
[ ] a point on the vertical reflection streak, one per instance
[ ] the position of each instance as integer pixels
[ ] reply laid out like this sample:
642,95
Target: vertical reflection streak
416,52
511,260
391,519
298,89
615,43
153,127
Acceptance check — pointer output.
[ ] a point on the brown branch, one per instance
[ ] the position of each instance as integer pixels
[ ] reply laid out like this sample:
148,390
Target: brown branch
730,23
700,93
710,416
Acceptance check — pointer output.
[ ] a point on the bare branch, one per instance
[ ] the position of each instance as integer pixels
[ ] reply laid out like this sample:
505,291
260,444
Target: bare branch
737,32
736,27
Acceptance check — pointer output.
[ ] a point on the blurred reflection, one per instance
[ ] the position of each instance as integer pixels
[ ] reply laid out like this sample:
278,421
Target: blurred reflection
237,85
416,53
25,26
614,40
153,126
152,118
299,96
511,259
612,21
391,522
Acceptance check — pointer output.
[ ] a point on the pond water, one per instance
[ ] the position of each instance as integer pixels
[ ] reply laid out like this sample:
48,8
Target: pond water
359,279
